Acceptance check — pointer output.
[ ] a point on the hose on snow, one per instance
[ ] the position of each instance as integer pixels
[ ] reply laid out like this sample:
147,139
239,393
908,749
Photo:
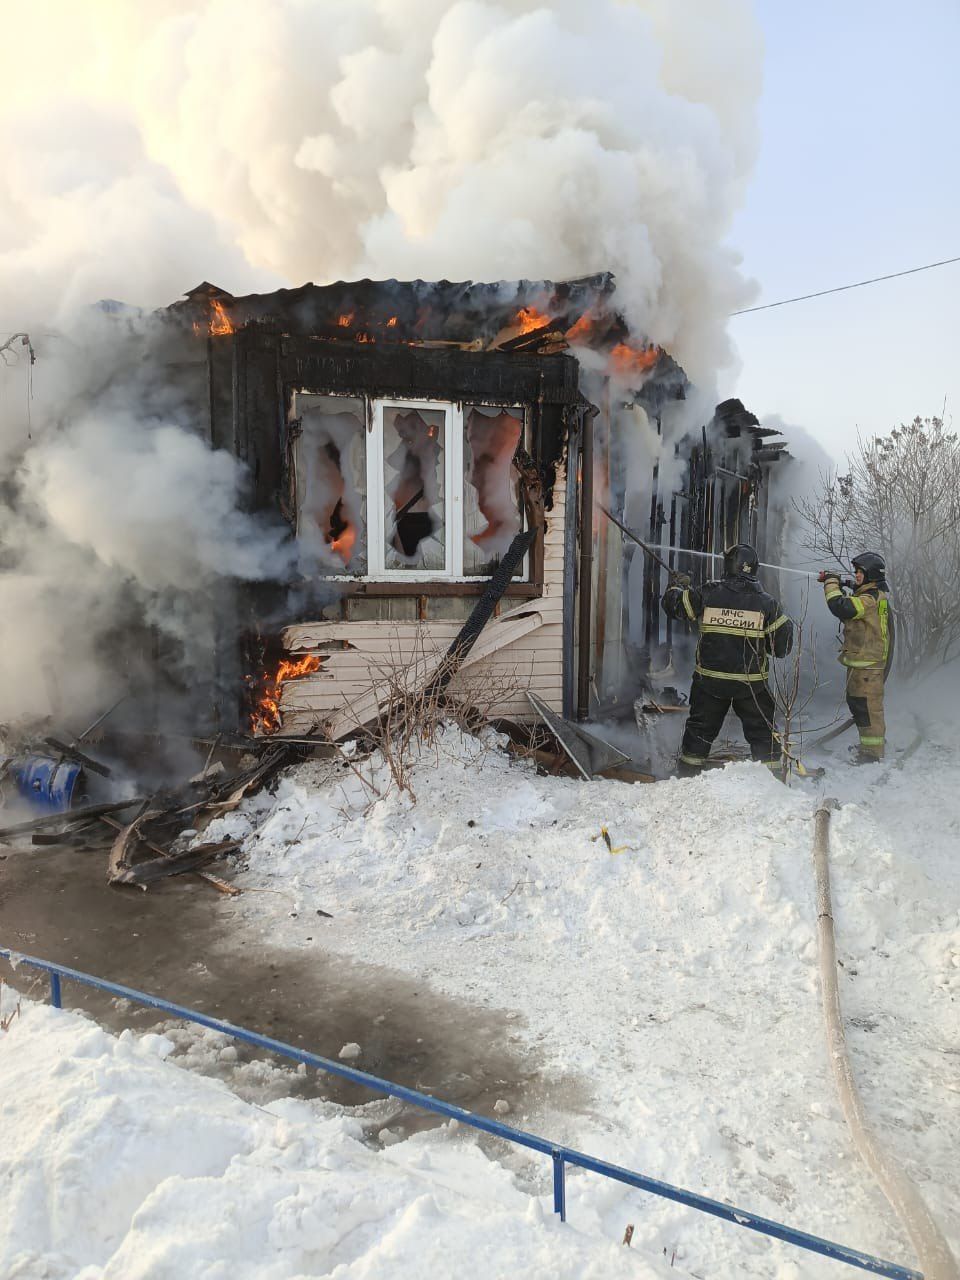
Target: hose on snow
936,1260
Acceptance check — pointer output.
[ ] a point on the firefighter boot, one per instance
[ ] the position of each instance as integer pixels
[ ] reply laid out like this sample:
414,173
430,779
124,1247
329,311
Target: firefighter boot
686,768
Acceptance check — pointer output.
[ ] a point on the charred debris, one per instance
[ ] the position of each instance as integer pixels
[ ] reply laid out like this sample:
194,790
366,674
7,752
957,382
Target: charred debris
439,453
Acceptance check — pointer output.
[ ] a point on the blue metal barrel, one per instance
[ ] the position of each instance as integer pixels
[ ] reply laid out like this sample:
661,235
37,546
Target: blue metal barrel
48,783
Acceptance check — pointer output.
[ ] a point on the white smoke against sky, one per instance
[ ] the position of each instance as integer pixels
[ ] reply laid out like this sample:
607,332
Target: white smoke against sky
262,143
149,146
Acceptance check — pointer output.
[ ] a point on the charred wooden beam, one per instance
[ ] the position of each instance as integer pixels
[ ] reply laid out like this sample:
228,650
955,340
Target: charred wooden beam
220,797
172,864
533,338
222,886
482,612
125,843
531,489
71,753
585,568
68,818
411,371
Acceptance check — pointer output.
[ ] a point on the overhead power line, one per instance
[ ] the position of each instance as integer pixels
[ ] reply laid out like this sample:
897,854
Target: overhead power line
804,297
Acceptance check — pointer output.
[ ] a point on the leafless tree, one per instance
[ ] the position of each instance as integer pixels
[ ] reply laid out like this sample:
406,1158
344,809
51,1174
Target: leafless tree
900,496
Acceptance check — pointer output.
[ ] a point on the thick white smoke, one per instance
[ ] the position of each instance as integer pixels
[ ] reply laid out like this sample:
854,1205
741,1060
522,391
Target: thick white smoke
149,146
268,142
115,513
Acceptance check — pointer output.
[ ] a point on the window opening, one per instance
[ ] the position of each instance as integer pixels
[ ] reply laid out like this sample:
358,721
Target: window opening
414,490
331,482
492,506
447,499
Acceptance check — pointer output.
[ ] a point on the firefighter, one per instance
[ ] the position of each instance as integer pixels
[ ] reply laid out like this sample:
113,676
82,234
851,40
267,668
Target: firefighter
867,646
740,625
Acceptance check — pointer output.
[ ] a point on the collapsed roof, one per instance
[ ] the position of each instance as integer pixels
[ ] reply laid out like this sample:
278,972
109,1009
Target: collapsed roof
535,317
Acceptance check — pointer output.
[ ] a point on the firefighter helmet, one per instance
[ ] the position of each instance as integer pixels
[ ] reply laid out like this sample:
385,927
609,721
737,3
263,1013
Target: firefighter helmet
740,559
871,565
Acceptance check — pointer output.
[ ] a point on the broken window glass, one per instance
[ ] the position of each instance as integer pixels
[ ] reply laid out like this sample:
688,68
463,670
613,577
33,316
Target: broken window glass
331,481
414,499
492,509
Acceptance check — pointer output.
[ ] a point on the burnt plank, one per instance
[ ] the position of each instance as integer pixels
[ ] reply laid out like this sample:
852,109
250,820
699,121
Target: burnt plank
68,818
260,416
175,864
404,371
79,757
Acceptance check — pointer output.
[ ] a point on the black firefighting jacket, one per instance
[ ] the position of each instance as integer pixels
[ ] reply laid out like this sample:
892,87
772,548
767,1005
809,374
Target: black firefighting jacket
739,624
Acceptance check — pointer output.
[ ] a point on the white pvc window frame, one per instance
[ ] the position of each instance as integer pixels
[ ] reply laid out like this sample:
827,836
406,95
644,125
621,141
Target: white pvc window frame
375,497
452,492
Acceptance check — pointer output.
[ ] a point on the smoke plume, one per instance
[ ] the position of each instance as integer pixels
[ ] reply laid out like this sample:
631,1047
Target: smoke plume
148,147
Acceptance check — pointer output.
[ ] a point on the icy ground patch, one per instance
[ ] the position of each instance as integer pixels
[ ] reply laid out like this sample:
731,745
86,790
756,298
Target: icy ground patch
677,975
116,1165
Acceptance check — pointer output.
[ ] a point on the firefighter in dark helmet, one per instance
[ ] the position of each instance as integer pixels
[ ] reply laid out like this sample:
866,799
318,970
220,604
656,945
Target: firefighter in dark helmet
740,626
867,646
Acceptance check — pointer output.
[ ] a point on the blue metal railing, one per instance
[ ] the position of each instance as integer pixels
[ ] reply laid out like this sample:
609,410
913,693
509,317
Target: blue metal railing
561,1156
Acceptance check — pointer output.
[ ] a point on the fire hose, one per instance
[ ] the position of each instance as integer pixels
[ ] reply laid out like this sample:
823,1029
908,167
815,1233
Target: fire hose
673,575
935,1257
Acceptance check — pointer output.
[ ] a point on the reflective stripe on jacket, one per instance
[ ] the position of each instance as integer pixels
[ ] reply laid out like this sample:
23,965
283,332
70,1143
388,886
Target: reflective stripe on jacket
739,626
866,624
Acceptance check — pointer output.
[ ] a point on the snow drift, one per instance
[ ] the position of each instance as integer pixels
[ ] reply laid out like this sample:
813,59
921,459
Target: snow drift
118,1166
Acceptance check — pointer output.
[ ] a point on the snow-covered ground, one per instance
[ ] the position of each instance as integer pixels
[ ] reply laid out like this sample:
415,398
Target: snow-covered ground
674,978
115,1165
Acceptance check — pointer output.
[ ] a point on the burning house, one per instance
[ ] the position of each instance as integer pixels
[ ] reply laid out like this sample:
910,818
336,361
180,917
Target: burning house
425,441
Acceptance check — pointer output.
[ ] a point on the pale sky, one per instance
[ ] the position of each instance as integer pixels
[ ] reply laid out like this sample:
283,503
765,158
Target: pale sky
858,176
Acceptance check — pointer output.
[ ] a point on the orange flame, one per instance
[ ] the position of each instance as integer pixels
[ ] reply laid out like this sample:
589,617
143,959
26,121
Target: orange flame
266,717
392,322
220,322
580,333
344,545
345,321
529,318
626,361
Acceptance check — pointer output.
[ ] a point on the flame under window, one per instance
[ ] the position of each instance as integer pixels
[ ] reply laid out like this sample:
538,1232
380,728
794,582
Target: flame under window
447,502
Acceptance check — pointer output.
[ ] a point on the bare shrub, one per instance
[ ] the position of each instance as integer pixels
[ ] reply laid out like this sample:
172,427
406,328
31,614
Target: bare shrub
7,1021
412,691
900,496
794,684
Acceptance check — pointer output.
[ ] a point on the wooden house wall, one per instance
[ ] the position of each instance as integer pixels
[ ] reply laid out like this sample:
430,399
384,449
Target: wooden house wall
520,650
